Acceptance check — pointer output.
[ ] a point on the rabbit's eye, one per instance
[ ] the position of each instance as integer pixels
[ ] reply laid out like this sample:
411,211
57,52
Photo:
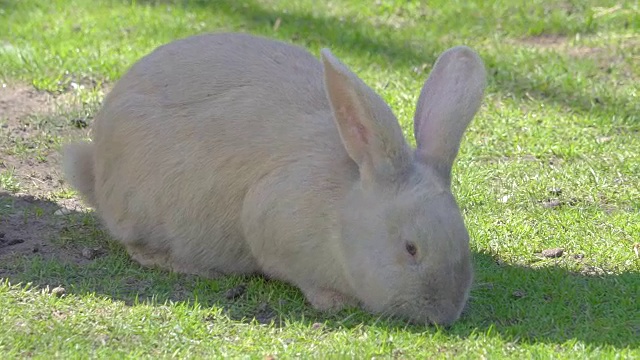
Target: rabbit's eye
411,248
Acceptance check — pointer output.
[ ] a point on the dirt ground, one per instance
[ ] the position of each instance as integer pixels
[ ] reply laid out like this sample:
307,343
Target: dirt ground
33,208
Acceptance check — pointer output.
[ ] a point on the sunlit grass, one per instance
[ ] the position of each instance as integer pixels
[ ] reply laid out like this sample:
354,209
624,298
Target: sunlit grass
551,161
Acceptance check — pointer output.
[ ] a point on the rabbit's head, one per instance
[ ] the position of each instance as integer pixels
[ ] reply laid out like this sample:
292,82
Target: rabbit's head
404,242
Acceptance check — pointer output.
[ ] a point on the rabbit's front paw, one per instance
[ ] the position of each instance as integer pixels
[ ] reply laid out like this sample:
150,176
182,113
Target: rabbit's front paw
328,300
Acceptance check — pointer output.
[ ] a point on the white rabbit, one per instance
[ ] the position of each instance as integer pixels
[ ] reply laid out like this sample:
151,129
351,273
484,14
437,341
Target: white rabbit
234,154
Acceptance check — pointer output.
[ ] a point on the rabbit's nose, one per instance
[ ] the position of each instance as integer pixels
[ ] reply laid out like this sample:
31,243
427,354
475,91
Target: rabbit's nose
445,315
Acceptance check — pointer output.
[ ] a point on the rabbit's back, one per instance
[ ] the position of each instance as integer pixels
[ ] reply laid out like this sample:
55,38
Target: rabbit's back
189,129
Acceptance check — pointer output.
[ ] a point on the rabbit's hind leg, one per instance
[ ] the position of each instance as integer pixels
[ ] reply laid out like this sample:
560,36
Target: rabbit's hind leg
160,257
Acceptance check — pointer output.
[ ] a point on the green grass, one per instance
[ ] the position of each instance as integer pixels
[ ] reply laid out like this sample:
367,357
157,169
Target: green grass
560,122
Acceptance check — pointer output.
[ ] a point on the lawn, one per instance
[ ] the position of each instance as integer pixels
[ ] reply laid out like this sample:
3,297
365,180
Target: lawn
551,161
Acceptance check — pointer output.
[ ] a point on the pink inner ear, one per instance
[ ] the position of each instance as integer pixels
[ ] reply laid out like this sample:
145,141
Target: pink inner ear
361,132
358,131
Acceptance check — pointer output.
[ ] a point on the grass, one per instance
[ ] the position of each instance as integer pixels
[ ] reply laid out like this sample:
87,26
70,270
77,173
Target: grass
552,160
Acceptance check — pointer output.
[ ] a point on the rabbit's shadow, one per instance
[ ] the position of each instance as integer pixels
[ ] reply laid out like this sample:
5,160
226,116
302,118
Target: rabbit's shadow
548,304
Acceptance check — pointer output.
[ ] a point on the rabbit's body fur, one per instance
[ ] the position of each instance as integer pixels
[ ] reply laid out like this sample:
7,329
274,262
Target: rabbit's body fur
220,154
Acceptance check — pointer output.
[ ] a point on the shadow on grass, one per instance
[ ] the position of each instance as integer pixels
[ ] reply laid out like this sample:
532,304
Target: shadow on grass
365,40
522,304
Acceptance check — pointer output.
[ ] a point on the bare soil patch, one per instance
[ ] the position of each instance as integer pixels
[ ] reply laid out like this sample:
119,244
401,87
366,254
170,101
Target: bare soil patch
19,101
618,54
27,227
561,44
32,126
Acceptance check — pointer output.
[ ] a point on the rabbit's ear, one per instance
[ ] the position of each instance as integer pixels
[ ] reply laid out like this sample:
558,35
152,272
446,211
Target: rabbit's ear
369,130
449,100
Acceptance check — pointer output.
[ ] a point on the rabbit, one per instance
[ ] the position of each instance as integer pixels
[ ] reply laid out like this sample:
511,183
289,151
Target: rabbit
229,153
